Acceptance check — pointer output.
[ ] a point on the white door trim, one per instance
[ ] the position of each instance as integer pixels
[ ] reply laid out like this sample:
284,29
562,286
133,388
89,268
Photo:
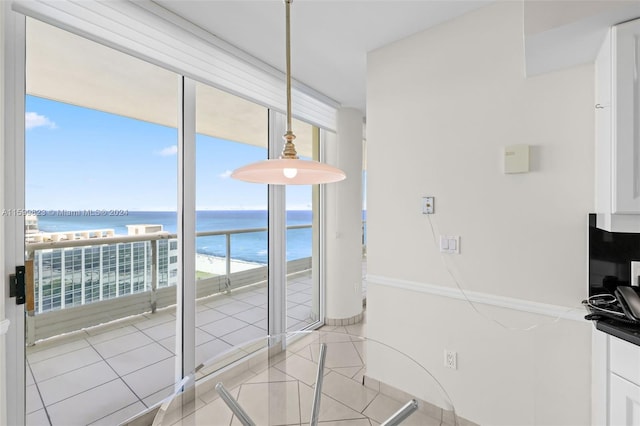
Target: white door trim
12,230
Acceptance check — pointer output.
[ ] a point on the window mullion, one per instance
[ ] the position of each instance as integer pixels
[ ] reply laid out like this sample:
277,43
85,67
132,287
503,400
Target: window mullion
277,235
186,293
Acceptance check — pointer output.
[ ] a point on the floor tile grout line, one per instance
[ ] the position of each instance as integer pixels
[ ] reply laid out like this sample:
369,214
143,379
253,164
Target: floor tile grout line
131,349
121,377
134,349
370,402
219,319
345,405
113,338
84,391
299,401
364,362
35,383
66,372
57,355
103,417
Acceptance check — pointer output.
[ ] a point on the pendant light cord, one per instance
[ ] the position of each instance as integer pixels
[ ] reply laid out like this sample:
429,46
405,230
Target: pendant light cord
288,55
289,149
288,169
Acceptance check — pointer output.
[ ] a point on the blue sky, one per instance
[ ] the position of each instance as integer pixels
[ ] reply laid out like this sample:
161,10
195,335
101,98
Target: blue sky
78,158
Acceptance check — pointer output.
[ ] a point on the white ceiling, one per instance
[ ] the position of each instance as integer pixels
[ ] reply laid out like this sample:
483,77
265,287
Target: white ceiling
330,39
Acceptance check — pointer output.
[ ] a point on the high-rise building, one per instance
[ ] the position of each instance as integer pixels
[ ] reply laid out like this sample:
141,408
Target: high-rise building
73,276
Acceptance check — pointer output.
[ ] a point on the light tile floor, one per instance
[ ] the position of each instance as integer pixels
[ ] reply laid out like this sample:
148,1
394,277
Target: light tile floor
281,392
106,374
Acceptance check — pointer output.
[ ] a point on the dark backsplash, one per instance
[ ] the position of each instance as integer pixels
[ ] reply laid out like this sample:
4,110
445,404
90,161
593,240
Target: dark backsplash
610,256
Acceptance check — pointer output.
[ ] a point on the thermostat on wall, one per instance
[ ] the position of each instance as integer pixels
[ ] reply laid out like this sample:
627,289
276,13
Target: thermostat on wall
516,159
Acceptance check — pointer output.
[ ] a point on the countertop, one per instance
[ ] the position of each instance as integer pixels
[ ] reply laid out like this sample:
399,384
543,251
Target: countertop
630,333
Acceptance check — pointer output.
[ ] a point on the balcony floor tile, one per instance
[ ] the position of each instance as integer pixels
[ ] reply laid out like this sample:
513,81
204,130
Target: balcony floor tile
151,379
244,334
110,334
224,326
136,359
256,299
53,348
235,308
158,396
120,415
34,402
252,315
122,344
154,319
38,418
208,316
75,382
161,331
92,405
210,349
64,363
300,312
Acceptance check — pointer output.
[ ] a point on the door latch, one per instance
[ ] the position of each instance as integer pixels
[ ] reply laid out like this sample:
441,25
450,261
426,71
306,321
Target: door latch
17,285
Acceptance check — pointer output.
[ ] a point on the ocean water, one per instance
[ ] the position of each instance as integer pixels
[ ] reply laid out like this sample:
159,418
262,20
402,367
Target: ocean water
250,247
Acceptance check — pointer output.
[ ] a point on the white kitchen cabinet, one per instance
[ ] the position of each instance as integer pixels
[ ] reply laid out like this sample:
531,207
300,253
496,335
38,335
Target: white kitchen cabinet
618,129
624,402
615,381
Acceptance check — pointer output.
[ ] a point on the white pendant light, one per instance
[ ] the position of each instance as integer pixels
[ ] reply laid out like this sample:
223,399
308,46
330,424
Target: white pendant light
288,169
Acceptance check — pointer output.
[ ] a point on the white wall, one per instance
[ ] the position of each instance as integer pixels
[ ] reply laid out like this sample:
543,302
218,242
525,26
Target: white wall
441,105
344,219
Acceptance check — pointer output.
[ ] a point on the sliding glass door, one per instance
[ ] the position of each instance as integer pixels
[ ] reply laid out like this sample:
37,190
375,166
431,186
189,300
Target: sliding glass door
303,238
231,223
108,139
101,249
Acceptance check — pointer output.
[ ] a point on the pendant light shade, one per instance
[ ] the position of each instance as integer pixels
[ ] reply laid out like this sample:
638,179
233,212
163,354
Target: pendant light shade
283,171
288,169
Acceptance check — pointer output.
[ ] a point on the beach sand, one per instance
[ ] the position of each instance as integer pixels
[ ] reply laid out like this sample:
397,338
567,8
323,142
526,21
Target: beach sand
217,265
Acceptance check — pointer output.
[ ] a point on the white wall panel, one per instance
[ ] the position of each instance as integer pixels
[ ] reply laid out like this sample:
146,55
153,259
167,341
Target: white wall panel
441,107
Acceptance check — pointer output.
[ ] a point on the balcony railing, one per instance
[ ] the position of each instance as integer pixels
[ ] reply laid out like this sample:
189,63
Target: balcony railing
98,289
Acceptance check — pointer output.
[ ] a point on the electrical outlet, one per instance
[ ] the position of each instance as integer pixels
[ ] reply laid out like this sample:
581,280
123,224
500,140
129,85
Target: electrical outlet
428,205
451,359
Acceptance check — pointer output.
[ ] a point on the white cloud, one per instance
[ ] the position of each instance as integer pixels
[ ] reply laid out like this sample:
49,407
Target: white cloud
169,151
33,120
226,174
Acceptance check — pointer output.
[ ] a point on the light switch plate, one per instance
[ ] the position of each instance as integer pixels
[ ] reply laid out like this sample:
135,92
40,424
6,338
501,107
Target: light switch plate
449,244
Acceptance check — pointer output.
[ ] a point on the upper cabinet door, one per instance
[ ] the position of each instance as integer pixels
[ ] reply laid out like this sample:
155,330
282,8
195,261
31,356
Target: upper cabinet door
603,117
625,131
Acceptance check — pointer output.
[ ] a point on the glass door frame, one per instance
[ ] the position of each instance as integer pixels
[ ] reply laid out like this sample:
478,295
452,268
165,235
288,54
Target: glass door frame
277,320
186,230
277,251
14,202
